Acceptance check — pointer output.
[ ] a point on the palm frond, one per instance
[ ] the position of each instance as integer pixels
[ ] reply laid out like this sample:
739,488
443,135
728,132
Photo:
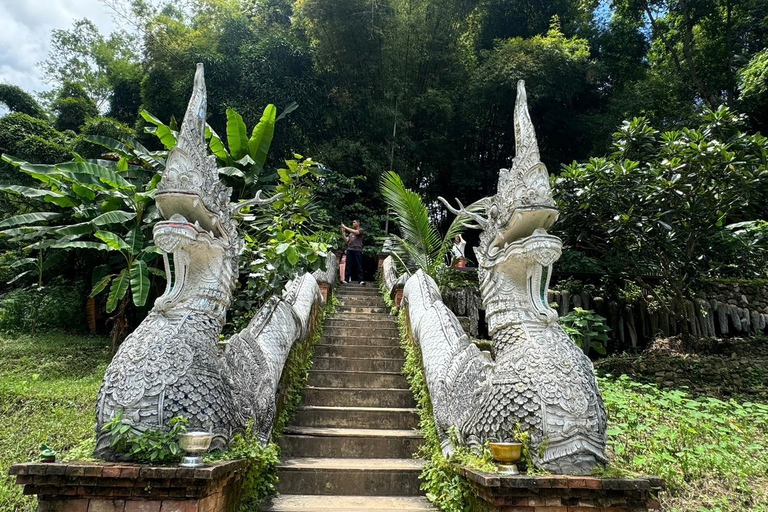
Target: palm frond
420,239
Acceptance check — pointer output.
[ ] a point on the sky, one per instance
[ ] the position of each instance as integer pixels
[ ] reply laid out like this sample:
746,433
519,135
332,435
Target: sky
25,35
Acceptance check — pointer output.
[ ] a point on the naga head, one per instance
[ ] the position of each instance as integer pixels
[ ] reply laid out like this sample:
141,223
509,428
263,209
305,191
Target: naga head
196,207
523,202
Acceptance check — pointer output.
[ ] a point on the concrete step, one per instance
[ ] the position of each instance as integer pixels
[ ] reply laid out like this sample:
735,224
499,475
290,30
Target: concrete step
349,443
356,417
361,320
361,317
357,397
362,300
363,331
368,288
362,309
358,364
362,351
373,341
349,477
356,379
314,503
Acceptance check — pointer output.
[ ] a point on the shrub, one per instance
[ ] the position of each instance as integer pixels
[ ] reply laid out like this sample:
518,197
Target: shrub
56,307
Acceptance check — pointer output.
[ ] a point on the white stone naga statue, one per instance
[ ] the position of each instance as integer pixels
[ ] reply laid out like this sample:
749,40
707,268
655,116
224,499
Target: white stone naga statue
538,380
174,364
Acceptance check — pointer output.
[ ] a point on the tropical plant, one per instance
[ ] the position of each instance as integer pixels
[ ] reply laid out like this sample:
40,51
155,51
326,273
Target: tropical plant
243,158
103,205
420,245
587,329
279,243
152,446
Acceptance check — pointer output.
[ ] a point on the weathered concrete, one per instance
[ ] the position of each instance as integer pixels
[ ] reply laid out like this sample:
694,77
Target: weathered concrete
357,417
313,503
358,363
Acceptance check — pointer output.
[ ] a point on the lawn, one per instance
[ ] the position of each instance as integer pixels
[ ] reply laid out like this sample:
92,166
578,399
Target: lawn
48,388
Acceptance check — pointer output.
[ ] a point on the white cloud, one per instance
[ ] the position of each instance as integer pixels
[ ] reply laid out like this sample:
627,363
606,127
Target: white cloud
25,34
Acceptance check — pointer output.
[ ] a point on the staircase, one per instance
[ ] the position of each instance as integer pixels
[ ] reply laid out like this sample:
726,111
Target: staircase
350,446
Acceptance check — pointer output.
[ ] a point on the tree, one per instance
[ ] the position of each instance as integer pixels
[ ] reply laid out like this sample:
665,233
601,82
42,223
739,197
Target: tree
662,202
73,107
17,100
82,56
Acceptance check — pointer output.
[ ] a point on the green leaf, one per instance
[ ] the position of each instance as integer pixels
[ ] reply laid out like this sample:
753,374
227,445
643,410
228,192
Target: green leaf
163,132
117,290
23,261
287,110
293,255
231,171
33,193
237,137
30,218
218,149
113,217
111,144
139,283
101,285
261,138
79,244
135,241
103,174
112,240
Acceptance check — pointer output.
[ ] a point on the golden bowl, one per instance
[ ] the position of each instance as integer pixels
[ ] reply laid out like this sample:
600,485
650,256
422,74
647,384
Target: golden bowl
506,453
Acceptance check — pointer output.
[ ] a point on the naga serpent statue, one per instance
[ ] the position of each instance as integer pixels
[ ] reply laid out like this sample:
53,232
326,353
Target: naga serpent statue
539,381
174,364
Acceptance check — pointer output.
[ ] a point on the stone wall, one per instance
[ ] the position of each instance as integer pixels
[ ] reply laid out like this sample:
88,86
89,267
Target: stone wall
495,492
120,487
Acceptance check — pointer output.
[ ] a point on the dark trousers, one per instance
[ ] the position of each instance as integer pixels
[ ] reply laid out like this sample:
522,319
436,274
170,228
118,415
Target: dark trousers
354,266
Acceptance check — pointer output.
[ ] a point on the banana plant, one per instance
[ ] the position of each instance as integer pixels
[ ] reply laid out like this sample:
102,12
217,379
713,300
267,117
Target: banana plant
241,161
103,205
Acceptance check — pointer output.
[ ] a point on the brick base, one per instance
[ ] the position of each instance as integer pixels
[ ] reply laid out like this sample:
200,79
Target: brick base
557,493
398,296
325,291
117,487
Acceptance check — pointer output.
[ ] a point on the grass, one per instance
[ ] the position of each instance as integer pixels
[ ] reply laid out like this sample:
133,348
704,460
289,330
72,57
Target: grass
713,454
48,388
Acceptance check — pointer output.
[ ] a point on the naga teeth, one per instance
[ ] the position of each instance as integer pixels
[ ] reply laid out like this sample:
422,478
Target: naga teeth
195,203
197,224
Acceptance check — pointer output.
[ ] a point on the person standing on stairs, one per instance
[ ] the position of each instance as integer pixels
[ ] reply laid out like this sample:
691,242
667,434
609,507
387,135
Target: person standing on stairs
354,251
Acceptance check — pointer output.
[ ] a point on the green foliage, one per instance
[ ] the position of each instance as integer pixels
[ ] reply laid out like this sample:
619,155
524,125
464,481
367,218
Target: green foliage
59,306
151,446
260,478
16,99
48,388
420,245
702,447
587,330
661,203
100,127
73,107
278,244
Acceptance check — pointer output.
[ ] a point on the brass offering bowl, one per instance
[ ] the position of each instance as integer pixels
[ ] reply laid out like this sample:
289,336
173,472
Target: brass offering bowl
194,443
507,454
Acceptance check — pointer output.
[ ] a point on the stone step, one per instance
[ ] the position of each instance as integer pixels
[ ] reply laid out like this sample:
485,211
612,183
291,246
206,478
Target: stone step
358,364
349,443
362,351
375,341
361,317
362,331
362,300
367,321
356,379
356,417
314,503
357,397
349,477
362,310
368,287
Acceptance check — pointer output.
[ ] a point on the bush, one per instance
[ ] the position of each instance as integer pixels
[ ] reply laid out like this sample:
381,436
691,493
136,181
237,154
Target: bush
59,306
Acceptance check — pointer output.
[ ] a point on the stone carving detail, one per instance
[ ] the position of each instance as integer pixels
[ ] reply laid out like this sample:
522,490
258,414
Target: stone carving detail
539,379
173,363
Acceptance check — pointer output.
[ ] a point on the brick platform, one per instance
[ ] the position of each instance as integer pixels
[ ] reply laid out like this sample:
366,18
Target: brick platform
557,493
120,487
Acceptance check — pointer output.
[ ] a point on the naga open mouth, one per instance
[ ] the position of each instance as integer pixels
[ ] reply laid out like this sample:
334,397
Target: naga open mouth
188,205
521,224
